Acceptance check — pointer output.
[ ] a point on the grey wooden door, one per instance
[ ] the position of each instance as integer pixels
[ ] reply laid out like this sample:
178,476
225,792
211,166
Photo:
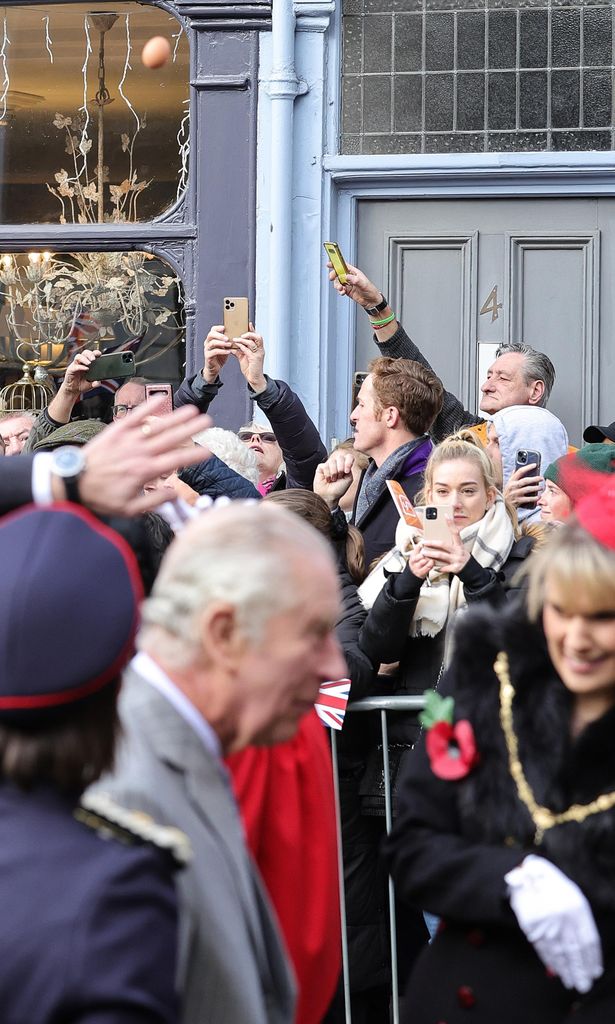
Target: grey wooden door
467,275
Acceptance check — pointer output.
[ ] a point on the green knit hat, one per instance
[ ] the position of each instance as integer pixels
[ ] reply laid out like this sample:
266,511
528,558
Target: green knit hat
76,432
599,457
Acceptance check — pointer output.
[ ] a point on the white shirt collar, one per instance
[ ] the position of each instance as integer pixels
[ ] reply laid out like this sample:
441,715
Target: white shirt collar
157,677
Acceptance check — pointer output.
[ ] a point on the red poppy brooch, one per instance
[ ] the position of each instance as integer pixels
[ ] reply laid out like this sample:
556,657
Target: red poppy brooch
451,748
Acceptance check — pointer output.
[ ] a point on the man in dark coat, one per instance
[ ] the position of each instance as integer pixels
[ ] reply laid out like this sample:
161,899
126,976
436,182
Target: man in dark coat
519,375
396,406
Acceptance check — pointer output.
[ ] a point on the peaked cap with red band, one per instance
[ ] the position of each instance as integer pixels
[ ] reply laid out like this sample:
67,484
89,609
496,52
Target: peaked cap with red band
69,597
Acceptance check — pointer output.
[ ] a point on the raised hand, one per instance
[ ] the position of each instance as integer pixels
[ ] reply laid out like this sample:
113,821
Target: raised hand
521,488
216,350
250,352
358,287
334,477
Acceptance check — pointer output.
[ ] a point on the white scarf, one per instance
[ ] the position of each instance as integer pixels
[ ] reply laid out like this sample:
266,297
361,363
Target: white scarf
489,541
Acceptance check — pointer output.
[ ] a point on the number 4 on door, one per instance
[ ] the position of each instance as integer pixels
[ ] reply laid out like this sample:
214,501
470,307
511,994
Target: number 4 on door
491,304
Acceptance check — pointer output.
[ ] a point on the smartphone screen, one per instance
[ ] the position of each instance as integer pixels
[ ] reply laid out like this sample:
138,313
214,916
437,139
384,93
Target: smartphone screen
334,253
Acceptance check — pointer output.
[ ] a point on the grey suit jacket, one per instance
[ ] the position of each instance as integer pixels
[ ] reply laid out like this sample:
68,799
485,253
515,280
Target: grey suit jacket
232,966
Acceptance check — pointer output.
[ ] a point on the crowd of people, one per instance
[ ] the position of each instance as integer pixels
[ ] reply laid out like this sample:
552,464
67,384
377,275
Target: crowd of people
175,595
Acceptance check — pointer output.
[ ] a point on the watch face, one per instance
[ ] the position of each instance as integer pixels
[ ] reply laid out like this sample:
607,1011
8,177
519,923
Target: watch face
68,461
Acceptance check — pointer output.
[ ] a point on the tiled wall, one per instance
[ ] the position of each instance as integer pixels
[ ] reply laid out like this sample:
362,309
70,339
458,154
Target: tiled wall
448,76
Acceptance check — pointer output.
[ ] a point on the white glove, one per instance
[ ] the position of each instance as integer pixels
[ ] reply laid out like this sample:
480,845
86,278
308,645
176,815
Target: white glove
557,920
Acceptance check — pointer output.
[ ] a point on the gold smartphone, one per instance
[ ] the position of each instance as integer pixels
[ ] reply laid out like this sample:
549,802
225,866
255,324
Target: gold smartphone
334,253
435,526
236,316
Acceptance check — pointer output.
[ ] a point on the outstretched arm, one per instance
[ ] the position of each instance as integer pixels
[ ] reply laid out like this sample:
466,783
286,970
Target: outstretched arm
393,342
61,406
201,390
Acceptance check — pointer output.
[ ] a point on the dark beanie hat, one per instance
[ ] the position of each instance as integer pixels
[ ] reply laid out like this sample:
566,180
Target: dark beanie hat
69,597
75,432
598,457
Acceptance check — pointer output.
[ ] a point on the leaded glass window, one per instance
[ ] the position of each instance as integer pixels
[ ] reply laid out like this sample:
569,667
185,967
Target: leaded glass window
447,76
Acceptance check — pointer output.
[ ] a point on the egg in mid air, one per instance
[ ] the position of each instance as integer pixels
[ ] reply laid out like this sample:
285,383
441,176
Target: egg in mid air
156,52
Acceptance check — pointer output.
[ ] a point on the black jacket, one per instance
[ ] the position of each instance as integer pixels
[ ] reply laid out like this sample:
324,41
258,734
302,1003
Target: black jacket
214,478
379,522
384,636
89,924
297,436
453,842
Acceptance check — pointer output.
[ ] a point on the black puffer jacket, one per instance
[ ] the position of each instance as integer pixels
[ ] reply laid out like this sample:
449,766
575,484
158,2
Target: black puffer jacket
384,637
214,478
302,447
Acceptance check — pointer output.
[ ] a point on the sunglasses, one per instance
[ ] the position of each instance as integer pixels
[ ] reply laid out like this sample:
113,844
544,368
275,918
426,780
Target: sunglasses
247,435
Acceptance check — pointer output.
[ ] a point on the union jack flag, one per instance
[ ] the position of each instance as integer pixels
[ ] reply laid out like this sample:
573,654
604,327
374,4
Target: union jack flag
84,329
332,701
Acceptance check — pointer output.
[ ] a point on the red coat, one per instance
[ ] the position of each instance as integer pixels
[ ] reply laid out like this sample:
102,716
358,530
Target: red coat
285,794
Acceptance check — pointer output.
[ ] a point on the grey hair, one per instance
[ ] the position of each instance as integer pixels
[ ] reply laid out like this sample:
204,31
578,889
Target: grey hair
227,446
14,414
239,555
537,366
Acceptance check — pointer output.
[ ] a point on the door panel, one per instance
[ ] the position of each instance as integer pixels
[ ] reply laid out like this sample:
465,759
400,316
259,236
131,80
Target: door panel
462,273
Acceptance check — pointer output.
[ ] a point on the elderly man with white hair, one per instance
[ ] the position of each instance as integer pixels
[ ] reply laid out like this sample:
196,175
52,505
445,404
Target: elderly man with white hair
236,639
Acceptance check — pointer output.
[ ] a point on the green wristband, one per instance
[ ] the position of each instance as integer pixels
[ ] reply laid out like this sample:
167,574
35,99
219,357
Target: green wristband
383,323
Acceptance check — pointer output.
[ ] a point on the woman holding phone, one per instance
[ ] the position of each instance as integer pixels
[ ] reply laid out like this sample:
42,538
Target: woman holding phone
411,609
506,826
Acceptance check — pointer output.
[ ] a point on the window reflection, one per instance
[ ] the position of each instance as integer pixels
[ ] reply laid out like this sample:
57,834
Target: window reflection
87,133
53,304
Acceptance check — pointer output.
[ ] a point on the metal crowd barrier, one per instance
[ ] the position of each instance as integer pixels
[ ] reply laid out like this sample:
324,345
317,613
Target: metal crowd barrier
384,705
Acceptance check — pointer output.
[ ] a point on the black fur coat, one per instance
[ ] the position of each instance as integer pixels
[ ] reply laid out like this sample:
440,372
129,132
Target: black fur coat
453,842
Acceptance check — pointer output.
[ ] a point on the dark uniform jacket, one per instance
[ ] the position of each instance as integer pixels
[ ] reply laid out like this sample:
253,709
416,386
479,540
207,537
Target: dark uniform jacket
453,842
15,481
88,925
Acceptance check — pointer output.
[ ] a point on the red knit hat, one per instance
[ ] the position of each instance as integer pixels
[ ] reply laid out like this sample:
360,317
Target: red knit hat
596,511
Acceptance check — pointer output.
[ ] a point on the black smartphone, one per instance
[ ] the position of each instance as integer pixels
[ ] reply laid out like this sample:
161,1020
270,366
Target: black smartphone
111,366
357,381
526,457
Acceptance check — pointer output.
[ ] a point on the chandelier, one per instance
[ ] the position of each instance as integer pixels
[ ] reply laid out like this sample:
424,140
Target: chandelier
55,302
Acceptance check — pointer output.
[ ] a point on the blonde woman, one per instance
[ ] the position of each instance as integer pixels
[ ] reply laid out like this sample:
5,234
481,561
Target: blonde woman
411,608
506,826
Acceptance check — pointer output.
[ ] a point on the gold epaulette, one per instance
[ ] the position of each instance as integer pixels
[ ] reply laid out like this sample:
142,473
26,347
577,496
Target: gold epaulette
100,812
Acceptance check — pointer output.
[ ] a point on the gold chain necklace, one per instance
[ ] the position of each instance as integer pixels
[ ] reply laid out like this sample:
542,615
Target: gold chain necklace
542,817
